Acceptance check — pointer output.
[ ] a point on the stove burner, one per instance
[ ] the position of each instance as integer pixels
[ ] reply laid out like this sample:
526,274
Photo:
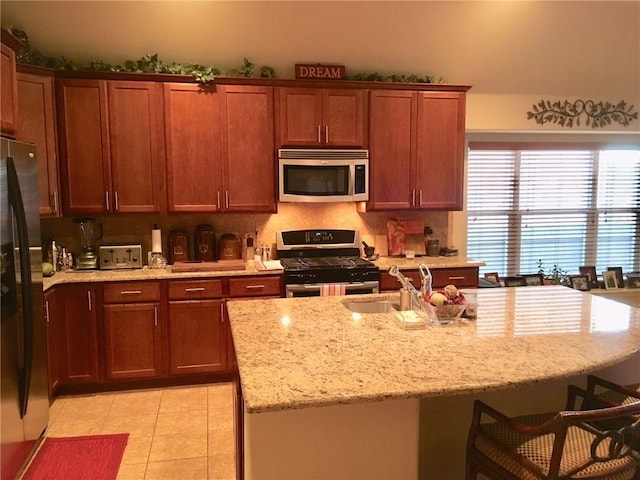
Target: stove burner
313,263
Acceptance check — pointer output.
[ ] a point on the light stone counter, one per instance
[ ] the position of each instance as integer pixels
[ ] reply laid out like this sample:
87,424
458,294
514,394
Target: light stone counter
330,394
310,352
384,263
81,276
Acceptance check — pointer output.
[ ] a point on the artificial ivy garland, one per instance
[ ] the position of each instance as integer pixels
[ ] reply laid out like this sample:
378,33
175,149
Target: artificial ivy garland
150,63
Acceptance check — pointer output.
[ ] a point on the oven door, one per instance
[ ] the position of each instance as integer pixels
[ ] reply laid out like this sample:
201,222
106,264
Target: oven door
313,290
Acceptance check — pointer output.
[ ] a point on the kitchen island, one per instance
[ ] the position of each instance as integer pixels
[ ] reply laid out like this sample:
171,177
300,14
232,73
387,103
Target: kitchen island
329,393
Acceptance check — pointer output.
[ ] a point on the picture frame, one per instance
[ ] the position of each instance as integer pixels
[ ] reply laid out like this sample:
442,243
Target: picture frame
592,276
610,280
580,282
633,280
533,279
493,277
514,282
619,276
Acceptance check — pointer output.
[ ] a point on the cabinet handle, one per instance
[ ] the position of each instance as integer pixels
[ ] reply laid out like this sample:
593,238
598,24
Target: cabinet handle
130,292
89,300
410,280
106,197
326,134
222,312
420,197
155,316
226,199
55,202
253,287
218,200
46,310
194,289
115,196
456,278
319,137
413,197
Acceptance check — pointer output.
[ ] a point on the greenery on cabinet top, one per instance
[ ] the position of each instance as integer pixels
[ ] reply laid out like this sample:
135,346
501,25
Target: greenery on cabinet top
151,63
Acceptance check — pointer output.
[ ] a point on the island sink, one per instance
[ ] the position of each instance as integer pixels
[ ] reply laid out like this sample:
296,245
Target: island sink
374,306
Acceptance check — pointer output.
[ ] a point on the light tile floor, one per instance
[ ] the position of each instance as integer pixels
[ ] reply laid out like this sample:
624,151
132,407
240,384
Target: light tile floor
180,433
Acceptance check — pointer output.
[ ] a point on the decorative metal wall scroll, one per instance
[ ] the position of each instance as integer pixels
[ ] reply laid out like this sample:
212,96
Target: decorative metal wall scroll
566,114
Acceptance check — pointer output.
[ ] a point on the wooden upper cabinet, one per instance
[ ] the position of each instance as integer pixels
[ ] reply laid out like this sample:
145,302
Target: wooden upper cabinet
319,117
111,146
36,124
193,146
9,89
391,148
417,150
84,145
439,175
137,146
249,173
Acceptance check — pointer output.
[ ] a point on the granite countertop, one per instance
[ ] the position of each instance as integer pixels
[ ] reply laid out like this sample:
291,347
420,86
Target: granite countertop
384,263
310,352
80,276
146,273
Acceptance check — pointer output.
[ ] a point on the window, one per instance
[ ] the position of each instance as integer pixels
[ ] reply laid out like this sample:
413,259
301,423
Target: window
565,205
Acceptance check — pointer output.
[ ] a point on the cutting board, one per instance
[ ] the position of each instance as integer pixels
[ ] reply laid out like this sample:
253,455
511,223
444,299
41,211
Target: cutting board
220,265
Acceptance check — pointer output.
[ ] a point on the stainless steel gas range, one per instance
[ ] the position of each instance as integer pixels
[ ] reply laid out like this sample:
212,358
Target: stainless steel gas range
316,258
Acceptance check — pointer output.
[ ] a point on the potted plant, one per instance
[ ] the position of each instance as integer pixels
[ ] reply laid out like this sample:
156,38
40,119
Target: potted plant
554,276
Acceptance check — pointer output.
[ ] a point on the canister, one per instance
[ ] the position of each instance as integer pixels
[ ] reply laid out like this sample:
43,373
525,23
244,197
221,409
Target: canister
433,248
178,246
204,241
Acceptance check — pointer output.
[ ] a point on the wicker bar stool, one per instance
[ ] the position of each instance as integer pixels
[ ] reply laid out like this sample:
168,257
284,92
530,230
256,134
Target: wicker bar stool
593,441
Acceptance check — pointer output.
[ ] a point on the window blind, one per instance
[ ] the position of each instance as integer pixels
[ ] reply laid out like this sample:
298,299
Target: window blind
562,205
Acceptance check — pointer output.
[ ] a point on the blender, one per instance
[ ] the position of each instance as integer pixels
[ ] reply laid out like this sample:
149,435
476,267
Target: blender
88,258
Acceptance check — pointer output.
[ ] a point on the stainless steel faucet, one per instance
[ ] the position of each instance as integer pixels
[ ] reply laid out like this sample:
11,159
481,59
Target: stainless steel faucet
409,296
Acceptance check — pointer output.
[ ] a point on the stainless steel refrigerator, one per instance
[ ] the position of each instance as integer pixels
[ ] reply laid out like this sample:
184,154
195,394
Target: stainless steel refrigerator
24,409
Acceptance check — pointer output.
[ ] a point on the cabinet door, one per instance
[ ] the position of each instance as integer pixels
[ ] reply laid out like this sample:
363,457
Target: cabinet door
193,145
55,340
137,146
299,116
440,150
343,117
9,97
84,145
36,125
78,348
132,340
248,149
197,336
392,117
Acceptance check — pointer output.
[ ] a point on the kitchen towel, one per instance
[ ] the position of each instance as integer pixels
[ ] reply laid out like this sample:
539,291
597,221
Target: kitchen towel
328,289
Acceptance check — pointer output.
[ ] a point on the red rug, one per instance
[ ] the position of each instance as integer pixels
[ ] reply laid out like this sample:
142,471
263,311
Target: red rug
95,457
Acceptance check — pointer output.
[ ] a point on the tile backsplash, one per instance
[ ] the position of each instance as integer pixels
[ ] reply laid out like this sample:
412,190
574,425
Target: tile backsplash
123,229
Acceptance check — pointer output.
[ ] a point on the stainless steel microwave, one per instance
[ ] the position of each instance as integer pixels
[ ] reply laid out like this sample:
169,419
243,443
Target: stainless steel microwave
310,175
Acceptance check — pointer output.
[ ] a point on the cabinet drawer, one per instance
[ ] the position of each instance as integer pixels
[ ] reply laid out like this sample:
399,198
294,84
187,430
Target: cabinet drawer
460,277
255,286
388,282
131,292
193,289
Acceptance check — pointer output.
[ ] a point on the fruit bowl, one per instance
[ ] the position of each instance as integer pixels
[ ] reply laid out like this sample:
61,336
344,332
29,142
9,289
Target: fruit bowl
446,314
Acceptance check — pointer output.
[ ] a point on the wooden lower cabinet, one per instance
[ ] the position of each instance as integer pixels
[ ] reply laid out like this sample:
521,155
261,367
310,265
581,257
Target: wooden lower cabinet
76,342
197,336
54,340
132,341
132,330
461,277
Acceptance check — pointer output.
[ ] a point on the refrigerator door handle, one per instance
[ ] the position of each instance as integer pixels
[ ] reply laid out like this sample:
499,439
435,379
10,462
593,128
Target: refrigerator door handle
15,200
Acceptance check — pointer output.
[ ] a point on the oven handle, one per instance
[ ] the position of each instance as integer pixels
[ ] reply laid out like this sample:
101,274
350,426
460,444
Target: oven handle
291,289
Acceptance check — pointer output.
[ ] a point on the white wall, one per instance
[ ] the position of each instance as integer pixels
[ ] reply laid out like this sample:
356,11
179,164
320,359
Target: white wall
513,53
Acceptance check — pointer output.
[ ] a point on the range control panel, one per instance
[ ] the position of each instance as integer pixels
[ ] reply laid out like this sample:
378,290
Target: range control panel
120,256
